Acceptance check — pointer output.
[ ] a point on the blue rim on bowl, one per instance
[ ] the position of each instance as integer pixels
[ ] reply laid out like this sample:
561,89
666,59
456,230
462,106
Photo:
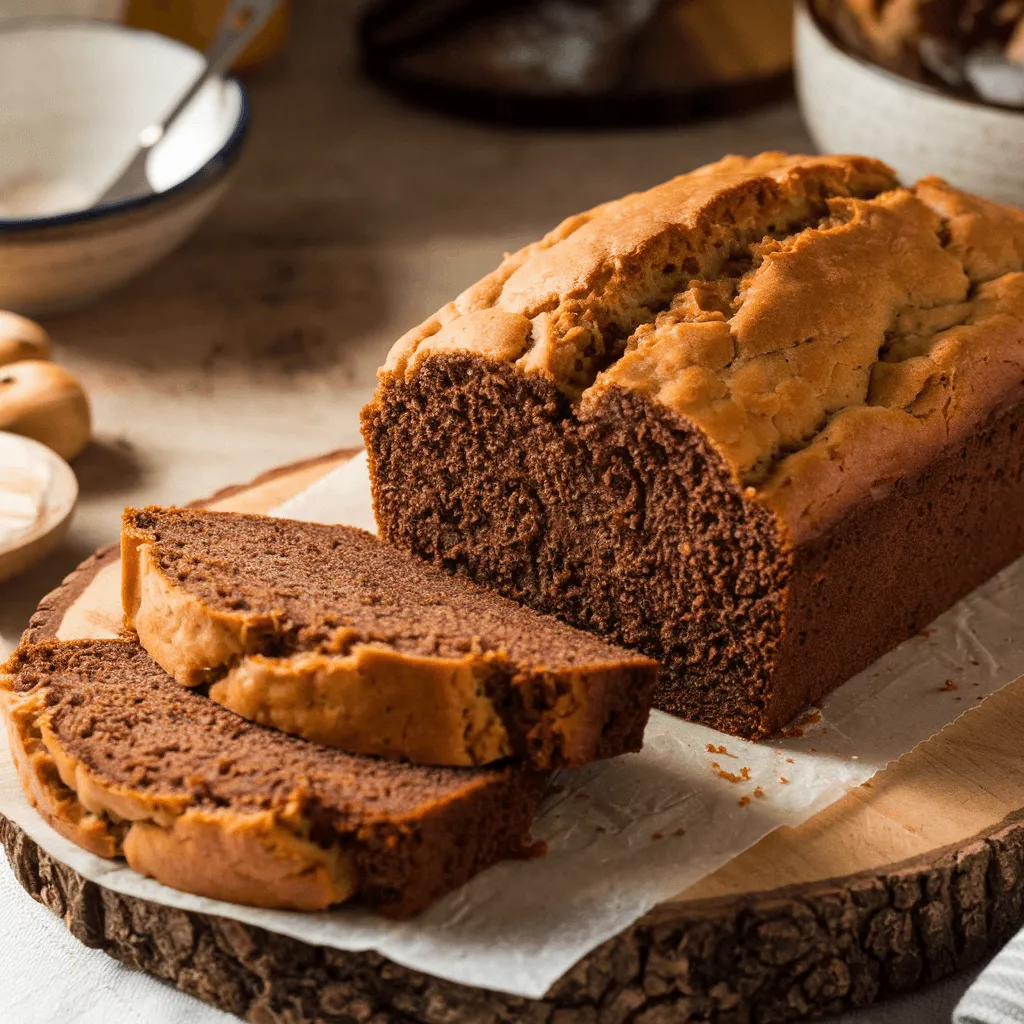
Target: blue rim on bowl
214,166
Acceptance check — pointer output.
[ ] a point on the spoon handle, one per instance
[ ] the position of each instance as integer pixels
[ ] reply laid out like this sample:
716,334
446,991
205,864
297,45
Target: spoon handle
241,20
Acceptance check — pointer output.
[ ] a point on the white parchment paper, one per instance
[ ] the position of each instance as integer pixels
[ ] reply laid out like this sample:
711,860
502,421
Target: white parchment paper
626,834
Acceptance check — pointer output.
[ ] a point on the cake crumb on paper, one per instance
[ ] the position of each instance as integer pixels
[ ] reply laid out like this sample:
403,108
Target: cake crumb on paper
712,749
795,730
744,775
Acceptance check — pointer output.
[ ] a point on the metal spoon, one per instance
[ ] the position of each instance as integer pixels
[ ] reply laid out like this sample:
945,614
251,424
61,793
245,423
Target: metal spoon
241,21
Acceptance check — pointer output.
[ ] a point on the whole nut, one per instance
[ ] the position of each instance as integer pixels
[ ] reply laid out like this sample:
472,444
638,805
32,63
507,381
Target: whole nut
43,401
21,338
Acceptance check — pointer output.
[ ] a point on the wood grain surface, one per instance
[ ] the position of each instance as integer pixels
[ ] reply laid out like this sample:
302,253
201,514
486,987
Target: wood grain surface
913,876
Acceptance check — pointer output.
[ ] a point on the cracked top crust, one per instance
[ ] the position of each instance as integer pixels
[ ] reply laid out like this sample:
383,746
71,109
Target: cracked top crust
828,329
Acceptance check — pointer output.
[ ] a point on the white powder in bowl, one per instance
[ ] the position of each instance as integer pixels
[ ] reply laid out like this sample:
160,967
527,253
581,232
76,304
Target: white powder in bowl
24,482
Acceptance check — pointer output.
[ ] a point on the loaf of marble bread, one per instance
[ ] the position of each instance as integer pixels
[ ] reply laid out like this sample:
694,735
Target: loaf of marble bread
123,761
325,633
762,422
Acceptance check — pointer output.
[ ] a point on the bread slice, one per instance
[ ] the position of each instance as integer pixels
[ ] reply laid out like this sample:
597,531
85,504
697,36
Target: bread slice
326,633
124,762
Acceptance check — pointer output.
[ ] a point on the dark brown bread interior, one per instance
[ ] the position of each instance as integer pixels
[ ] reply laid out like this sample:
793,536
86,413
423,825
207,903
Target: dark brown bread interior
416,832
626,523
315,578
311,580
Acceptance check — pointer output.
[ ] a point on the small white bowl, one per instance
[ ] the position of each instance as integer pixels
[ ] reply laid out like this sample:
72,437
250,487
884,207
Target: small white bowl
58,495
853,106
74,96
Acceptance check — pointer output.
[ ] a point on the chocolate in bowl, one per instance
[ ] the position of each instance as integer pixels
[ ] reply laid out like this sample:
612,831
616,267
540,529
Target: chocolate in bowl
972,49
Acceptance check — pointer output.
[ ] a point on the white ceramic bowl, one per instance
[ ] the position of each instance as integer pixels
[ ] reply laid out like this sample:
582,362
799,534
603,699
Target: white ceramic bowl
74,96
853,106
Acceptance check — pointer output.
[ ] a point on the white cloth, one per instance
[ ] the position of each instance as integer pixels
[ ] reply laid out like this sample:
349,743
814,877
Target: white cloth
46,975
997,997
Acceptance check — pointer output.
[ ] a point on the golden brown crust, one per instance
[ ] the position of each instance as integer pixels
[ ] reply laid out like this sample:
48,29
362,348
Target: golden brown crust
185,638
250,858
42,784
371,700
828,330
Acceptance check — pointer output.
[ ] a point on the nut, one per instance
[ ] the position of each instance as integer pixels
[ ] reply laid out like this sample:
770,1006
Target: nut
21,338
43,401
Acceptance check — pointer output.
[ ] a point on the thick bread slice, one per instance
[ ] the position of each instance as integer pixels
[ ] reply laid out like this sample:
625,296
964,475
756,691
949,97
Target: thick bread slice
124,762
325,633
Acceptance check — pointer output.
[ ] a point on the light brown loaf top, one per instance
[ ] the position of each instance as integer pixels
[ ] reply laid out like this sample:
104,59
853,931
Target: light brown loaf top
828,329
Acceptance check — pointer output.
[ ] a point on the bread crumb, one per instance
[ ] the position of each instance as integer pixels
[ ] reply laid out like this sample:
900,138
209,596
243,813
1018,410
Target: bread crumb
947,686
744,775
743,801
712,749
784,780
802,724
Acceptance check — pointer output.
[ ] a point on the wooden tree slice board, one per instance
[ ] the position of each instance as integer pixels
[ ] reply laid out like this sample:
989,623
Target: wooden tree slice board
906,879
